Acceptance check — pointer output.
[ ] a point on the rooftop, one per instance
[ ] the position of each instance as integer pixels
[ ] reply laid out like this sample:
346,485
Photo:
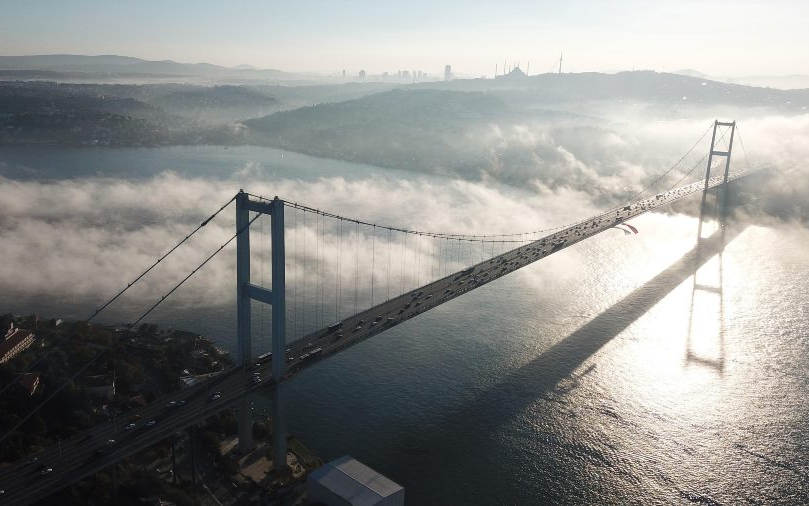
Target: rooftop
354,481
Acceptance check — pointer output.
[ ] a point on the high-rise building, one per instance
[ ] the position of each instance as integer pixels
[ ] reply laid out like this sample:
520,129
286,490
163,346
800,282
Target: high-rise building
362,74
447,72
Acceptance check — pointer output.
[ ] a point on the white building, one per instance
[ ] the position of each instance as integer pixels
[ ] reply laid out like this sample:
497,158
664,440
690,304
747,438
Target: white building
348,482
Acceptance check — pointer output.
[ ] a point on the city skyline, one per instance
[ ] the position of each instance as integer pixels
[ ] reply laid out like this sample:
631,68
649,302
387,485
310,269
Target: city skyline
721,39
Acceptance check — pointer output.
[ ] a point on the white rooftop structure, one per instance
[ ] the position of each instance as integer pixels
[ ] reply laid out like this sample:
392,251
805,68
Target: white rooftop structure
347,481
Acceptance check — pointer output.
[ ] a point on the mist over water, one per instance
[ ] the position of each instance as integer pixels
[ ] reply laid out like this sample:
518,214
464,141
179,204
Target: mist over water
585,378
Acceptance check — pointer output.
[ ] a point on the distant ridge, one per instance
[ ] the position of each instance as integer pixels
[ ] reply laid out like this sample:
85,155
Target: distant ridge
692,73
790,82
121,65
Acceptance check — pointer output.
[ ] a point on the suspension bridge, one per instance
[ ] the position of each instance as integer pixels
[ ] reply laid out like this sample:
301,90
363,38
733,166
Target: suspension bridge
357,279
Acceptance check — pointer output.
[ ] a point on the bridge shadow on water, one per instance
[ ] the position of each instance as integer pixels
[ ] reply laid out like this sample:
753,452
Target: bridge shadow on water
478,419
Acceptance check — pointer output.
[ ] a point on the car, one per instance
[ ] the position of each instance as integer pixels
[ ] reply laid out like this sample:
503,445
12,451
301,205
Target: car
32,460
373,324
378,317
308,345
109,442
46,471
171,404
358,327
151,423
256,379
129,426
215,396
181,403
290,359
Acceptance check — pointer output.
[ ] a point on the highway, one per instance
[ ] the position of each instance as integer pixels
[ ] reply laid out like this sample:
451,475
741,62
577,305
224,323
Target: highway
88,452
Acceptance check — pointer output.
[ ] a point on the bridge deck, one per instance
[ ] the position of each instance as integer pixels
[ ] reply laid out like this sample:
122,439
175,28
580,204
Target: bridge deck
402,308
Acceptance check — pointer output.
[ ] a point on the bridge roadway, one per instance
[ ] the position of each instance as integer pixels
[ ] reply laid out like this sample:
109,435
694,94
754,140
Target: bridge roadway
86,453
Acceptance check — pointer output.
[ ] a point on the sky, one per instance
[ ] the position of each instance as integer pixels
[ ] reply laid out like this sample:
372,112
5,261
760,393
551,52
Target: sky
717,37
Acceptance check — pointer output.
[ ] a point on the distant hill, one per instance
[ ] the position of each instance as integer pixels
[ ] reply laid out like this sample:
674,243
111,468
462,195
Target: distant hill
789,82
549,126
71,114
661,94
384,128
219,104
216,96
691,73
57,61
792,82
471,135
123,65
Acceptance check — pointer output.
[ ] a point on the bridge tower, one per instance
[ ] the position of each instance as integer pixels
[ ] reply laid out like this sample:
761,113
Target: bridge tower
721,208
712,210
276,298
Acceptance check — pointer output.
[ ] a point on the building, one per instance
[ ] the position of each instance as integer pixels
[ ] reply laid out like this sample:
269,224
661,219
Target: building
448,73
515,74
101,386
348,482
15,342
362,74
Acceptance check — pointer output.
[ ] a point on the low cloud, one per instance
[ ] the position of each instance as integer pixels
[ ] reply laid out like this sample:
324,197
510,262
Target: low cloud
84,239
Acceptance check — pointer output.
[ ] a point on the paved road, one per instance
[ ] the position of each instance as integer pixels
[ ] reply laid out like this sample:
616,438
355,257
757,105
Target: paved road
87,453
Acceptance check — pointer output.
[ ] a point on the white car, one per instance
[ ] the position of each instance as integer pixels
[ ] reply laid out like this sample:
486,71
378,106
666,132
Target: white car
129,426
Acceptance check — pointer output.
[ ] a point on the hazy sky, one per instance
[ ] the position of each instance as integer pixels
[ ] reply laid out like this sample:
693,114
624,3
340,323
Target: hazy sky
718,37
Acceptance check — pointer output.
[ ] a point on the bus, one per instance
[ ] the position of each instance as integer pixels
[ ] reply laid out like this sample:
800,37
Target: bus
311,354
264,357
